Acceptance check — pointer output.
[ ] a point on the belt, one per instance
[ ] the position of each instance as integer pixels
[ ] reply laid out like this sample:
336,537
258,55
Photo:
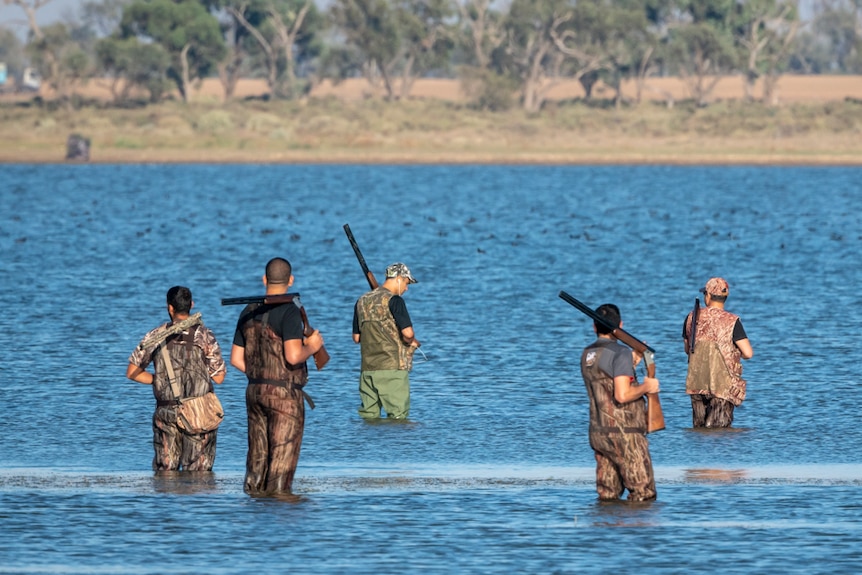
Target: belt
168,402
284,384
603,429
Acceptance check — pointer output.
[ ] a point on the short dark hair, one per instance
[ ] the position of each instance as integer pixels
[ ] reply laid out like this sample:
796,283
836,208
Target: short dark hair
180,298
718,298
610,313
278,271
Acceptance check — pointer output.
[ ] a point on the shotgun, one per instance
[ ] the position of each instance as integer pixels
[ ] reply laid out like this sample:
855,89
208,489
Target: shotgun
321,356
655,417
692,330
163,334
372,281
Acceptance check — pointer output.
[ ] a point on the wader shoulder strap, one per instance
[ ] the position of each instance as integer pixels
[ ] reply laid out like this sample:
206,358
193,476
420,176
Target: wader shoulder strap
172,378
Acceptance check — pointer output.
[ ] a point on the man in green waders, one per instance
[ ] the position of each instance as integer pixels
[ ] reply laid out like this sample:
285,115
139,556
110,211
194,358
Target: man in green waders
382,327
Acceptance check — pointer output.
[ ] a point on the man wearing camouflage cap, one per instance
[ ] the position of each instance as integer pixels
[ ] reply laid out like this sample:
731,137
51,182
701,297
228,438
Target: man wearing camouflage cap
714,379
382,327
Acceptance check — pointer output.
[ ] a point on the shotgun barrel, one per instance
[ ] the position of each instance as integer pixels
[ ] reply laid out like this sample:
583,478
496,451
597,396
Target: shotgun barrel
321,356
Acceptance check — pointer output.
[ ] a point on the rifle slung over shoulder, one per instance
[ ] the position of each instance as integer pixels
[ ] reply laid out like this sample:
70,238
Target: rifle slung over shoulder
163,334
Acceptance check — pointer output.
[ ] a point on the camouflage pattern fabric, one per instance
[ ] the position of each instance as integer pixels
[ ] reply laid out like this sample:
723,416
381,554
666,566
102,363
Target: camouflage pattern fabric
623,462
710,411
276,410
175,450
276,417
617,433
714,346
198,362
195,356
381,344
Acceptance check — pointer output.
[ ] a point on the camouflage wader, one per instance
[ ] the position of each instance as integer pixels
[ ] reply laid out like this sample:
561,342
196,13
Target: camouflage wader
384,380
276,417
174,449
710,411
276,412
714,379
617,434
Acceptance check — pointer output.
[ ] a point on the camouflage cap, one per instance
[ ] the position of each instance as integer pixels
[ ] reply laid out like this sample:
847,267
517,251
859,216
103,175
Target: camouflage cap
399,269
716,286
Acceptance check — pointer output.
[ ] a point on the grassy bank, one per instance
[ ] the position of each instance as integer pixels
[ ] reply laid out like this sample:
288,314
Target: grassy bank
331,130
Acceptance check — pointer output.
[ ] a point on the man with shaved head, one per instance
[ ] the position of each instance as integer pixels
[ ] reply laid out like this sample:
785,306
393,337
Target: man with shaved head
270,348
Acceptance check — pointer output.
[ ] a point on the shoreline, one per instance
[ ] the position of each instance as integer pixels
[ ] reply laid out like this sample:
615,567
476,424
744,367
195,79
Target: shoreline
169,158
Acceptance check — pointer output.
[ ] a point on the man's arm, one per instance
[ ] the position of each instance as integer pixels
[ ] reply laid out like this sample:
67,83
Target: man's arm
140,375
744,348
399,312
740,340
625,392
297,351
408,337
237,357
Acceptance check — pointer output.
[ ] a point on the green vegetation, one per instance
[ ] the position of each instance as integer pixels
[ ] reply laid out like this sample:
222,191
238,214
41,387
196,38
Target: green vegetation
498,48
326,129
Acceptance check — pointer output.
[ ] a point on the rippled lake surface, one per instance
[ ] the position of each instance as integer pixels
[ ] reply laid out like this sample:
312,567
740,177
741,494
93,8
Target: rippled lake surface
493,473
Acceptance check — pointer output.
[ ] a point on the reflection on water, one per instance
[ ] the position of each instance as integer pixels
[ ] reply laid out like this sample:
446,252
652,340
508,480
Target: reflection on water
493,473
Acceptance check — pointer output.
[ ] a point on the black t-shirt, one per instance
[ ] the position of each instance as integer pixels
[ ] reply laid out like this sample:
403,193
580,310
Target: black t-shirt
285,319
398,309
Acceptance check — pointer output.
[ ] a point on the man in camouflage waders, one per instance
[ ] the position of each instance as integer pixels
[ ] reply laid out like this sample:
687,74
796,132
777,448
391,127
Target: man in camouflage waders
196,361
714,379
269,347
618,418
382,327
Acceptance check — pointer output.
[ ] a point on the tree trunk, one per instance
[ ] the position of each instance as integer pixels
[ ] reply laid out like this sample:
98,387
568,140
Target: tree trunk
268,50
184,63
287,36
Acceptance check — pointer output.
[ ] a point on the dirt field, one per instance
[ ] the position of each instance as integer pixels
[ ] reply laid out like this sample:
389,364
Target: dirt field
818,121
791,89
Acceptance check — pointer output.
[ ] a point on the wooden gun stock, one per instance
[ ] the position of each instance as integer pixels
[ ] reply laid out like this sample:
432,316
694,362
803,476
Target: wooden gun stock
321,356
372,281
655,416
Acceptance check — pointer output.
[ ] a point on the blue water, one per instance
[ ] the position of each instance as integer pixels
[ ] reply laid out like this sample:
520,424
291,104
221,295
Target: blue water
494,472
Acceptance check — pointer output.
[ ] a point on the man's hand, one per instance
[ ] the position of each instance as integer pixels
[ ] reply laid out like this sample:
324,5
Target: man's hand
650,385
314,342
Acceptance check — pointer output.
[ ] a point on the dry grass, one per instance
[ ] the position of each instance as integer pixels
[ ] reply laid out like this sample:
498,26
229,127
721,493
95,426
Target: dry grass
349,127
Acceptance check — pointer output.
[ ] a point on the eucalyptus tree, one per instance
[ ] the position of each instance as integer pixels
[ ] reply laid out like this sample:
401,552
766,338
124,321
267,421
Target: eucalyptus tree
59,58
613,41
428,38
548,41
30,7
187,31
837,36
701,45
12,52
480,24
282,30
388,38
765,33
131,64
372,33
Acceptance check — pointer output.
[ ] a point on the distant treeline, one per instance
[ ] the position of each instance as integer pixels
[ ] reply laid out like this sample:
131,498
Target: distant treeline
504,52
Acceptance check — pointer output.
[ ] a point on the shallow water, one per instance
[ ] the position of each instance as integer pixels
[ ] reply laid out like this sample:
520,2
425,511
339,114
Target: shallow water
493,473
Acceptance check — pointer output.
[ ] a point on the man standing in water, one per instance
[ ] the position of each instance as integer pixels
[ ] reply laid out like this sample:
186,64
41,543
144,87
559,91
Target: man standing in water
193,356
618,417
269,347
714,379
382,327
